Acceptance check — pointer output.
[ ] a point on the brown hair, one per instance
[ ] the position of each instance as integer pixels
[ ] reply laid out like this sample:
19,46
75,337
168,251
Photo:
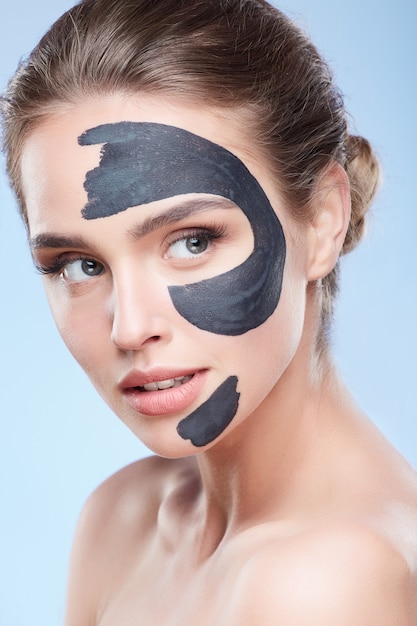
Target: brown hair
225,53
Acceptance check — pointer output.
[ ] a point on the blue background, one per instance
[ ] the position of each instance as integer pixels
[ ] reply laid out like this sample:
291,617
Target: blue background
59,440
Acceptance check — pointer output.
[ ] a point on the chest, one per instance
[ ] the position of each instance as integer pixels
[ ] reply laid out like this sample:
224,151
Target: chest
164,593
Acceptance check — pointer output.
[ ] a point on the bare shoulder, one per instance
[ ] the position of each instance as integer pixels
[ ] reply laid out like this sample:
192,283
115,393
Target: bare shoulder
345,573
116,522
123,494
129,500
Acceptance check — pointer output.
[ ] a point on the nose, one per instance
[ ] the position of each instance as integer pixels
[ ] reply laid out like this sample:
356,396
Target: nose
140,310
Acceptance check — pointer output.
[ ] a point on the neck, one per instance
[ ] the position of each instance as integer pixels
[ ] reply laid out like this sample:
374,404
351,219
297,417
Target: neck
268,464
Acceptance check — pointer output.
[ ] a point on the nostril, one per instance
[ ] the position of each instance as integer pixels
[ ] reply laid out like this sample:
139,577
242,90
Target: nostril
153,338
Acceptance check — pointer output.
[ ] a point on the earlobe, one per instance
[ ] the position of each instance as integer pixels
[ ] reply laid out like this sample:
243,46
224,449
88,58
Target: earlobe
329,223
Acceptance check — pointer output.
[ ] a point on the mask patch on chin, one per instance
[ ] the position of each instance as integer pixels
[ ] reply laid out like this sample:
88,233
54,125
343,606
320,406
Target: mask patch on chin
210,419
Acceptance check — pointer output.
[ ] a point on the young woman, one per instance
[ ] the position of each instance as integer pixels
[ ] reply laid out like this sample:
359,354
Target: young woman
188,181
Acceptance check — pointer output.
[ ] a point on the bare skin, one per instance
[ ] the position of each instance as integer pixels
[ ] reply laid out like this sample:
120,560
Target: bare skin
299,513
157,546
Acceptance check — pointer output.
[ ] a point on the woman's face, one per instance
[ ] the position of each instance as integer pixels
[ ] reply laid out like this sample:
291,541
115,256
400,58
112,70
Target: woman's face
174,275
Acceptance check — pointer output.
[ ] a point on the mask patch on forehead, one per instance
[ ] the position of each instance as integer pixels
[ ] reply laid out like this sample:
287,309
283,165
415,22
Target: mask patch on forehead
145,162
207,422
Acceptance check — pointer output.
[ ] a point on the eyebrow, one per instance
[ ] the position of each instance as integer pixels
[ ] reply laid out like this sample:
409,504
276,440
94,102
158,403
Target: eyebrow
149,224
50,240
176,214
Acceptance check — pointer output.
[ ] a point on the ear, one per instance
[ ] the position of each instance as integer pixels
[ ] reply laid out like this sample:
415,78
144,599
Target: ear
329,223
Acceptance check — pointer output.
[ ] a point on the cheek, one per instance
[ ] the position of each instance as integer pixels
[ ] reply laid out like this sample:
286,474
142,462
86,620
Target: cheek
287,325
263,356
83,329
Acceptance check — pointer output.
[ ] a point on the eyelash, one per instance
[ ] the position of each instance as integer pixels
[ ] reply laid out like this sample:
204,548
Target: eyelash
57,266
211,233
59,263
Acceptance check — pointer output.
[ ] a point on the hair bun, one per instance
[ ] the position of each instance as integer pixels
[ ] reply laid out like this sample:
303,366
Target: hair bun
363,170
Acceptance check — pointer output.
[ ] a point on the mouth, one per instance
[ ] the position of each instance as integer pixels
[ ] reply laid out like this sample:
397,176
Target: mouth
169,383
160,394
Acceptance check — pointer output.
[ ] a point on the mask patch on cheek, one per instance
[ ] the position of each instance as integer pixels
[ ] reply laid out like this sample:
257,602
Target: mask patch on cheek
211,418
144,162
234,302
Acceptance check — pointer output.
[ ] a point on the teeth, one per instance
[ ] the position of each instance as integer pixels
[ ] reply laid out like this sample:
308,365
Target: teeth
151,387
166,384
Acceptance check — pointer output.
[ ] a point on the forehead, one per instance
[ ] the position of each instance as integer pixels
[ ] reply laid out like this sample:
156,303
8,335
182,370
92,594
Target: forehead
58,155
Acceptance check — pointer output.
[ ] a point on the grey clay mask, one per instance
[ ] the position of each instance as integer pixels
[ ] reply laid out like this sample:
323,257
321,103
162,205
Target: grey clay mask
144,162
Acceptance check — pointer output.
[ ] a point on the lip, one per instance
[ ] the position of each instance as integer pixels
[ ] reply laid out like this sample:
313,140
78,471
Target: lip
163,401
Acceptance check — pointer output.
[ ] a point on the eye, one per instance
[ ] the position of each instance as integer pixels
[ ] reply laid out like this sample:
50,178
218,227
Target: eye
190,246
79,270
